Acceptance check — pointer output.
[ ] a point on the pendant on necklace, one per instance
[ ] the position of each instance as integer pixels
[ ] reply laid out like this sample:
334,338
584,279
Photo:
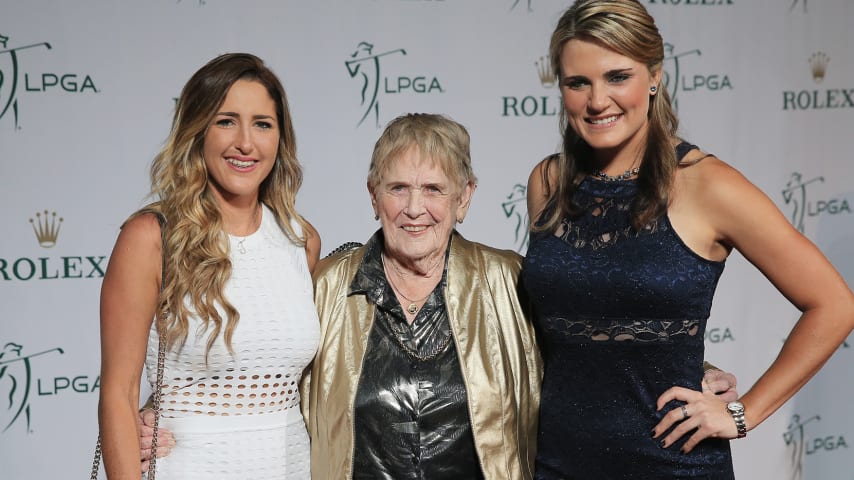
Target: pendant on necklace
412,308
240,247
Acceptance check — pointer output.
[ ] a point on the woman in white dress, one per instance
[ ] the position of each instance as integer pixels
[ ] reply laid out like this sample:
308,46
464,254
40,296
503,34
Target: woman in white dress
222,262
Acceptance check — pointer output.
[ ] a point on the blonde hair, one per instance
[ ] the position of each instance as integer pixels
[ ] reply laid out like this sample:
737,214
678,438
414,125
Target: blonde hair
436,137
625,27
196,261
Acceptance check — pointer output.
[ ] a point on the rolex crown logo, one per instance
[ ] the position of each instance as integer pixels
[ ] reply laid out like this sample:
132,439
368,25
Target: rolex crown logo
544,70
818,65
46,228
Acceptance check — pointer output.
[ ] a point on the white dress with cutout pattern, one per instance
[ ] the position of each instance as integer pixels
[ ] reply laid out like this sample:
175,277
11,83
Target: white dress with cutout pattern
236,416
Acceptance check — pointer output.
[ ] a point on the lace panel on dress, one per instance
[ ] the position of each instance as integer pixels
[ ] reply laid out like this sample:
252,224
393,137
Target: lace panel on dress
622,330
604,220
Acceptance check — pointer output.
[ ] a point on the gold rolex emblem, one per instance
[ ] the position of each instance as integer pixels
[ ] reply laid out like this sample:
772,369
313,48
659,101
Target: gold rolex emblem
818,65
46,228
544,70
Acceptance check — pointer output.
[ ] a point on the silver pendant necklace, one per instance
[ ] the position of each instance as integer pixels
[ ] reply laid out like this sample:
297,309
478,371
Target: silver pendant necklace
241,248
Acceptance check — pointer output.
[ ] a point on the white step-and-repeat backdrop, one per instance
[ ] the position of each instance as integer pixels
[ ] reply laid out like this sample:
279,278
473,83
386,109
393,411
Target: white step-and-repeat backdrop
87,90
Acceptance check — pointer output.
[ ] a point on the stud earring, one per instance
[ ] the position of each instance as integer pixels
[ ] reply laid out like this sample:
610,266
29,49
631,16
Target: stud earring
376,217
653,89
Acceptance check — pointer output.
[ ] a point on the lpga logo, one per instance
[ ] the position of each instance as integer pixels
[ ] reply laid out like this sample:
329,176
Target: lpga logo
515,207
675,80
9,78
796,438
795,194
365,64
15,381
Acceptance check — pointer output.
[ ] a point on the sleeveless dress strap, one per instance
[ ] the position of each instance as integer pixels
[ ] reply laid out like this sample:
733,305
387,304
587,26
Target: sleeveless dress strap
682,150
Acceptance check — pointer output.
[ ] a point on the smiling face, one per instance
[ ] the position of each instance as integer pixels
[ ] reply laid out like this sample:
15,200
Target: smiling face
418,206
241,143
606,96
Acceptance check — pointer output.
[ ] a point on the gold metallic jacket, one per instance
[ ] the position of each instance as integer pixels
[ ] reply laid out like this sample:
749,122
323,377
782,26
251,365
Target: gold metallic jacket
495,341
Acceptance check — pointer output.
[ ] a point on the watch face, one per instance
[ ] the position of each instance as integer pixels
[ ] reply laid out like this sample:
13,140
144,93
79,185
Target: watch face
735,407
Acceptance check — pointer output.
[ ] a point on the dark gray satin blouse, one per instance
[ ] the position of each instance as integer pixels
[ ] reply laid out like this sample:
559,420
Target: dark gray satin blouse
411,410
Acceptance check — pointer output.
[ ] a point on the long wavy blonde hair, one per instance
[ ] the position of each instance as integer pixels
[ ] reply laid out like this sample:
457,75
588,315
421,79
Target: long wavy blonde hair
625,27
196,261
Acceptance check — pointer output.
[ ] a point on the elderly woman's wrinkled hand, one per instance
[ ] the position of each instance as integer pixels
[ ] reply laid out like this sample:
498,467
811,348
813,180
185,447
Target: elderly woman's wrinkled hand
165,440
703,411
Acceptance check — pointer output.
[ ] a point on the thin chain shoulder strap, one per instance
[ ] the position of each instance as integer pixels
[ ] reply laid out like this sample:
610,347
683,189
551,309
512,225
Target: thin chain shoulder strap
161,359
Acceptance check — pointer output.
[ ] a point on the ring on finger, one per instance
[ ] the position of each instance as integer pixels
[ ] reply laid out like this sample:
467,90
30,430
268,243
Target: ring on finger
684,412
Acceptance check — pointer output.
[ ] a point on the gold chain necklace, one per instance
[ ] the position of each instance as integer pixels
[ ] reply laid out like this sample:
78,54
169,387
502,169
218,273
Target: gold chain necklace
409,350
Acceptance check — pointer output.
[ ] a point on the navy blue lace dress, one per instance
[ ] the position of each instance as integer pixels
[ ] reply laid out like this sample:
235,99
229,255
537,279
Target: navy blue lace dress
621,315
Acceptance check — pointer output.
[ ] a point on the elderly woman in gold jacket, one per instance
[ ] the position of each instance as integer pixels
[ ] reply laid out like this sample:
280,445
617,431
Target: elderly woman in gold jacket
427,367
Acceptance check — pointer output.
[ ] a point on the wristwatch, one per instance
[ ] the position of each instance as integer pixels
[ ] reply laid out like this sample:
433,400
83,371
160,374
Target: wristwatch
736,409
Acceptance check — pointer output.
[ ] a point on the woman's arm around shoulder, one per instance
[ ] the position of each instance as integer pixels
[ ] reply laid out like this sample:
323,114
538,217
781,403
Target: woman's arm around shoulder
541,185
128,303
312,246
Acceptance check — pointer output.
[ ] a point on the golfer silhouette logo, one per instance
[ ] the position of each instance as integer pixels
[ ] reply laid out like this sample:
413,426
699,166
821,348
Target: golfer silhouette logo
365,65
16,379
9,77
516,207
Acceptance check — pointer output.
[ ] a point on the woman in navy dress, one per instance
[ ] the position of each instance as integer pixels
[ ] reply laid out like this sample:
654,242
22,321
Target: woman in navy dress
631,230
